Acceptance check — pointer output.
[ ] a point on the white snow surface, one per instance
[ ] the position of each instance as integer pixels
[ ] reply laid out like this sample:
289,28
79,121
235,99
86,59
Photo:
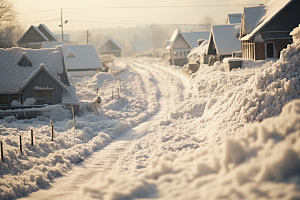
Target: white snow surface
225,141
85,57
13,77
200,50
233,135
224,37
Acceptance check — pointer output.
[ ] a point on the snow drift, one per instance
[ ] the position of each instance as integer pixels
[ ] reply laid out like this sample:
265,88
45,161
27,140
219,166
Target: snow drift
225,140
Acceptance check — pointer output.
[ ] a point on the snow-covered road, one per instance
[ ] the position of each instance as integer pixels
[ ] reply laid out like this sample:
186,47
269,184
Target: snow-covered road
102,161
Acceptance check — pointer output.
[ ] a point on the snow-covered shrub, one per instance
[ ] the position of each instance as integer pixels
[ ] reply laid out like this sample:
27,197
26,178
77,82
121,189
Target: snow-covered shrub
15,103
29,101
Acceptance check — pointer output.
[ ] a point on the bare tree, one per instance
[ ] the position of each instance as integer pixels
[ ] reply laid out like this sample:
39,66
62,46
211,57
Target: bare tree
206,22
10,30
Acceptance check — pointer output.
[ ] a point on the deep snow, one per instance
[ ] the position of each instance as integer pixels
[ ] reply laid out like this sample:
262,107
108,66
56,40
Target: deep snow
231,135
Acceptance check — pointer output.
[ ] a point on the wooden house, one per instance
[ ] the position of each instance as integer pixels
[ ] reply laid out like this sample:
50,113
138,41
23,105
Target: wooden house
265,29
223,41
35,36
180,45
27,73
111,47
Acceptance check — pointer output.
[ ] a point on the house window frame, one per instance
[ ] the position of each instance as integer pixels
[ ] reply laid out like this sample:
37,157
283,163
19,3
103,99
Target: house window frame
266,52
44,93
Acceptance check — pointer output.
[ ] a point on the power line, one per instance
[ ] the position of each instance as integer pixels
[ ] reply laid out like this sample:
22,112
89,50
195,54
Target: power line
37,11
169,6
40,21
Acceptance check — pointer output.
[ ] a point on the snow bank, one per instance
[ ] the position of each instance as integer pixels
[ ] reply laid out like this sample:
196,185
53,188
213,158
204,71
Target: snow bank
225,140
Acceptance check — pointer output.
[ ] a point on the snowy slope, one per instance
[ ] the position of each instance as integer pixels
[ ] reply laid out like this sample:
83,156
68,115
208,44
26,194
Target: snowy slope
226,141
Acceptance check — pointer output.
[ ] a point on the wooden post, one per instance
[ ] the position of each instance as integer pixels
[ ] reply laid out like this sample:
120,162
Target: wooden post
50,122
73,114
21,144
1,151
118,93
112,94
52,133
31,137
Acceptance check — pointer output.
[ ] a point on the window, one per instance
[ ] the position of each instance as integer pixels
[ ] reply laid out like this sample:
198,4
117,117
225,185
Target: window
24,62
44,94
71,55
4,99
180,54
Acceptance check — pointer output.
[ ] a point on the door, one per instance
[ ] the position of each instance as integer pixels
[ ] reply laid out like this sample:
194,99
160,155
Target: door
270,50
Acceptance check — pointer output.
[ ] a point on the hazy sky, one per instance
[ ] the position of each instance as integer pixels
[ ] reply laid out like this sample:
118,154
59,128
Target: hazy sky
90,14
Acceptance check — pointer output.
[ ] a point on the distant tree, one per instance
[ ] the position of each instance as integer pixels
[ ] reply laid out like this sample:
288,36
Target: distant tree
8,24
206,22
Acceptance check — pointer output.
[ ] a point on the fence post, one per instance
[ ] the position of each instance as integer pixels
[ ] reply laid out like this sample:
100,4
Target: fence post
118,93
52,132
112,94
31,137
1,151
21,144
73,114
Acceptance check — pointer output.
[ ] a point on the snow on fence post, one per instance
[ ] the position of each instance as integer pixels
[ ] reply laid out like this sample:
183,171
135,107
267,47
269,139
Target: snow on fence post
73,114
21,144
1,151
52,133
31,137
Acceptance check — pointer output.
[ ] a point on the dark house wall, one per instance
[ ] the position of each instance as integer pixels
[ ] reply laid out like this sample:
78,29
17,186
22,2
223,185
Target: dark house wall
284,23
115,53
260,49
211,48
43,80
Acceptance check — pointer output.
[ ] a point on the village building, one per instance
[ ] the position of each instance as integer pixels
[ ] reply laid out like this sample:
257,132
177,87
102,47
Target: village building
265,29
27,73
181,43
234,18
79,58
139,46
35,36
223,41
111,47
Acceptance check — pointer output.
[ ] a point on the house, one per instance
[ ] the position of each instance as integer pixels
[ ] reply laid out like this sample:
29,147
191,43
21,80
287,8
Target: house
111,47
27,73
181,43
265,29
139,46
223,41
35,36
81,58
234,18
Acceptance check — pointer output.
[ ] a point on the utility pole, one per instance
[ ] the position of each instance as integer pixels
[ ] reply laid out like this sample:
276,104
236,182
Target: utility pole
153,44
62,24
87,37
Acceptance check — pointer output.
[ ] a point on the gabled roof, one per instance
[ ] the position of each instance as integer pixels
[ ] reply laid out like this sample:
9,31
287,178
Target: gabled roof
140,46
234,18
85,57
256,18
40,30
224,38
13,77
193,36
113,41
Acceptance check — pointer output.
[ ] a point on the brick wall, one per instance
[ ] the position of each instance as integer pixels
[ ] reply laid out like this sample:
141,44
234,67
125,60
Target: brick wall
260,53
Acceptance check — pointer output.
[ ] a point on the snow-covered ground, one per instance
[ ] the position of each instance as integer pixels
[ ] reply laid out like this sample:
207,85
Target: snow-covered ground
222,135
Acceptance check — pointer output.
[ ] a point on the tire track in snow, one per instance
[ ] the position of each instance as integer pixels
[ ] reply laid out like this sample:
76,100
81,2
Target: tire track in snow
102,161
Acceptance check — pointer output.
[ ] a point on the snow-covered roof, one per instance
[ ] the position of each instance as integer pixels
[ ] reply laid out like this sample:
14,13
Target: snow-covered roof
200,50
113,41
193,36
48,31
225,38
51,44
234,18
140,46
13,77
81,57
257,17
